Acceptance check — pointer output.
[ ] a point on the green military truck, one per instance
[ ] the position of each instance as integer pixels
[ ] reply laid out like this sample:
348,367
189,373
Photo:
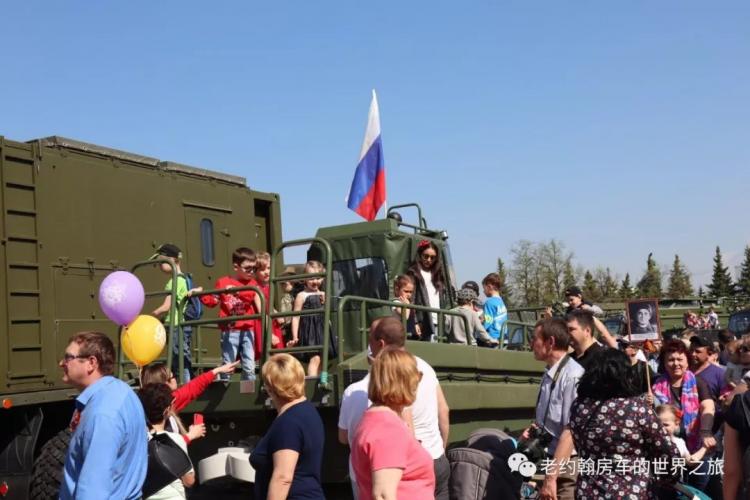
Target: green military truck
73,212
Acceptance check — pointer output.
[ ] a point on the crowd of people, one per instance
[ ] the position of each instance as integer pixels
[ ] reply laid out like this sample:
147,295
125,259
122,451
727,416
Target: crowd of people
647,420
614,419
707,321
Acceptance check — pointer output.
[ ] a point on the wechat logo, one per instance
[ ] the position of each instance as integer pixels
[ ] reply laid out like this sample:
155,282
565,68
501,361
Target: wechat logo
519,463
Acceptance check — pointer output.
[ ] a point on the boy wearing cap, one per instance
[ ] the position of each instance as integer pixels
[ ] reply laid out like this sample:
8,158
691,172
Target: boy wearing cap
173,254
457,326
574,296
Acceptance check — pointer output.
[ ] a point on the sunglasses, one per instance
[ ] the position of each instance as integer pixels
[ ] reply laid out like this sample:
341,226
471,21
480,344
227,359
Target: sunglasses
67,357
744,349
428,257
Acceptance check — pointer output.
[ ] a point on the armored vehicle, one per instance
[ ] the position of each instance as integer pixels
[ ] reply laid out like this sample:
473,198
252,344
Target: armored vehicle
73,212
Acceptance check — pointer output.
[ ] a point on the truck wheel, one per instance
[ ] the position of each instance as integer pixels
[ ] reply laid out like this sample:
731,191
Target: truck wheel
47,474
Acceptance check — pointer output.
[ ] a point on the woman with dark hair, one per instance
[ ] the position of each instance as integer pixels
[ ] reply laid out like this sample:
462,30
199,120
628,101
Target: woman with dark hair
430,288
692,397
611,422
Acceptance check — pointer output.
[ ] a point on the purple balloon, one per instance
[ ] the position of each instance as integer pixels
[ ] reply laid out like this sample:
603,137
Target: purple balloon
121,297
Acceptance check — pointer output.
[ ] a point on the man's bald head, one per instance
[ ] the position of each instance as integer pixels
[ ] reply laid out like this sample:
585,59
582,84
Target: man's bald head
387,331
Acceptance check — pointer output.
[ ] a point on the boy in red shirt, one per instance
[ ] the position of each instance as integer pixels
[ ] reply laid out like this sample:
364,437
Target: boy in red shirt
238,336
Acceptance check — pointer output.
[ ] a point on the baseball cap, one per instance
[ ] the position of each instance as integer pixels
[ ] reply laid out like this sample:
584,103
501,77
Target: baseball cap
288,271
697,342
573,290
169,250
471,285
466,295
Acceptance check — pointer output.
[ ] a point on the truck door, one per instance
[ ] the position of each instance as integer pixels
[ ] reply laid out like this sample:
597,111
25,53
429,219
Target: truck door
206,258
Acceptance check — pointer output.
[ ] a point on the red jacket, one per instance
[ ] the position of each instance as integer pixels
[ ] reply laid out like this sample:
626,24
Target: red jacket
233,304
189,392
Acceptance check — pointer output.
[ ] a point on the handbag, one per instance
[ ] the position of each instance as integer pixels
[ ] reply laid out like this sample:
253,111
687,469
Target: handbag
166,463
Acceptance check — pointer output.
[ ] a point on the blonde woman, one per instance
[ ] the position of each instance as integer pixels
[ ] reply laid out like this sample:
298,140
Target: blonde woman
288,458
388,461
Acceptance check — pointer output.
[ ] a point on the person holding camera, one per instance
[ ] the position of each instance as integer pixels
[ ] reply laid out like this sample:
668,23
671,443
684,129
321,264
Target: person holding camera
556,395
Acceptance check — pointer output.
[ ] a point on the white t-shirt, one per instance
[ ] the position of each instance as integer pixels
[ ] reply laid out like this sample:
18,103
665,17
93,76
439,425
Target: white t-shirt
354,403
174,490
425,411
432,293
681,446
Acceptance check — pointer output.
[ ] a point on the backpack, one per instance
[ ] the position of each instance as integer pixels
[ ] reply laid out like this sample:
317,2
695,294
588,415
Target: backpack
193,307
480,471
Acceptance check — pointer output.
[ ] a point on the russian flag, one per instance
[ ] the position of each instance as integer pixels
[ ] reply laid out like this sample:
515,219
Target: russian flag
367,193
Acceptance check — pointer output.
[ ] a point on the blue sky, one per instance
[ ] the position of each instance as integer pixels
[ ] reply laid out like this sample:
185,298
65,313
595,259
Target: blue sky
618,128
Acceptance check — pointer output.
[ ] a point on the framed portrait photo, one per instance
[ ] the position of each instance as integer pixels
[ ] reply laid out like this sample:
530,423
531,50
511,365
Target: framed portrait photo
643,320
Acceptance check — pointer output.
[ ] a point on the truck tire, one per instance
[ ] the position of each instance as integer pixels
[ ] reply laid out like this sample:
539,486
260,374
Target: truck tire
47,474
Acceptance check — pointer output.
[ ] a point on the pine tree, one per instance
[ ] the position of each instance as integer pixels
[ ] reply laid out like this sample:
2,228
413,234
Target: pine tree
679,280
744,279
626,289
590,288
608,285
721,280
650,284
505,288
569,274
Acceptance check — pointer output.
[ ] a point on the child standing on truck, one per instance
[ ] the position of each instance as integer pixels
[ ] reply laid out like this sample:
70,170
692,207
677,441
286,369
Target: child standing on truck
287,303
308,330
457,332
403,290
495,312
263,276
173,254
238,337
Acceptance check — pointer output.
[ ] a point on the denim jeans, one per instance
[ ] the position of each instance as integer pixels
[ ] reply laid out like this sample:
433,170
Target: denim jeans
235,341
187,336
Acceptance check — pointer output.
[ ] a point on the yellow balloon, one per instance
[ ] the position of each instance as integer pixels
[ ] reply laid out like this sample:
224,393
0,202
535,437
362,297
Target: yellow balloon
143,339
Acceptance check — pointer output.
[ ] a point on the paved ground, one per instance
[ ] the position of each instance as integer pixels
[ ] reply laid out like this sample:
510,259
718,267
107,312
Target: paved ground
244,492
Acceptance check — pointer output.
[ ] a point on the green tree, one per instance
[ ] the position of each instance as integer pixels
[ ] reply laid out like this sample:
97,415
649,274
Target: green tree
523,273
650,283
744,280
569,274
505,288
607,283
721,280
679,280
590,288
626,289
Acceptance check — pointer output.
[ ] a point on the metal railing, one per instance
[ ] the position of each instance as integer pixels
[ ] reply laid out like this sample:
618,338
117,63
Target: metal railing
176,327
363,326
325,310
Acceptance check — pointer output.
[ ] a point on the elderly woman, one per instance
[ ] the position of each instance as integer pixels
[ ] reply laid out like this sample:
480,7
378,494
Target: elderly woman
430,289
388,461
610,421
681,388
288,459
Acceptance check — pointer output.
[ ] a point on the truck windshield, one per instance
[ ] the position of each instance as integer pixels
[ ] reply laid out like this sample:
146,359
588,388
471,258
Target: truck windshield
363,277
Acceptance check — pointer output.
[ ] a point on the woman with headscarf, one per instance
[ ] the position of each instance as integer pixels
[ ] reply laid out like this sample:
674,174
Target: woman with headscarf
681,388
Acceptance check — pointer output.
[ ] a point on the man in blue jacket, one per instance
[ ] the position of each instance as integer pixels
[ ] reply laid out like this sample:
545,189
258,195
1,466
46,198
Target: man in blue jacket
107,456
